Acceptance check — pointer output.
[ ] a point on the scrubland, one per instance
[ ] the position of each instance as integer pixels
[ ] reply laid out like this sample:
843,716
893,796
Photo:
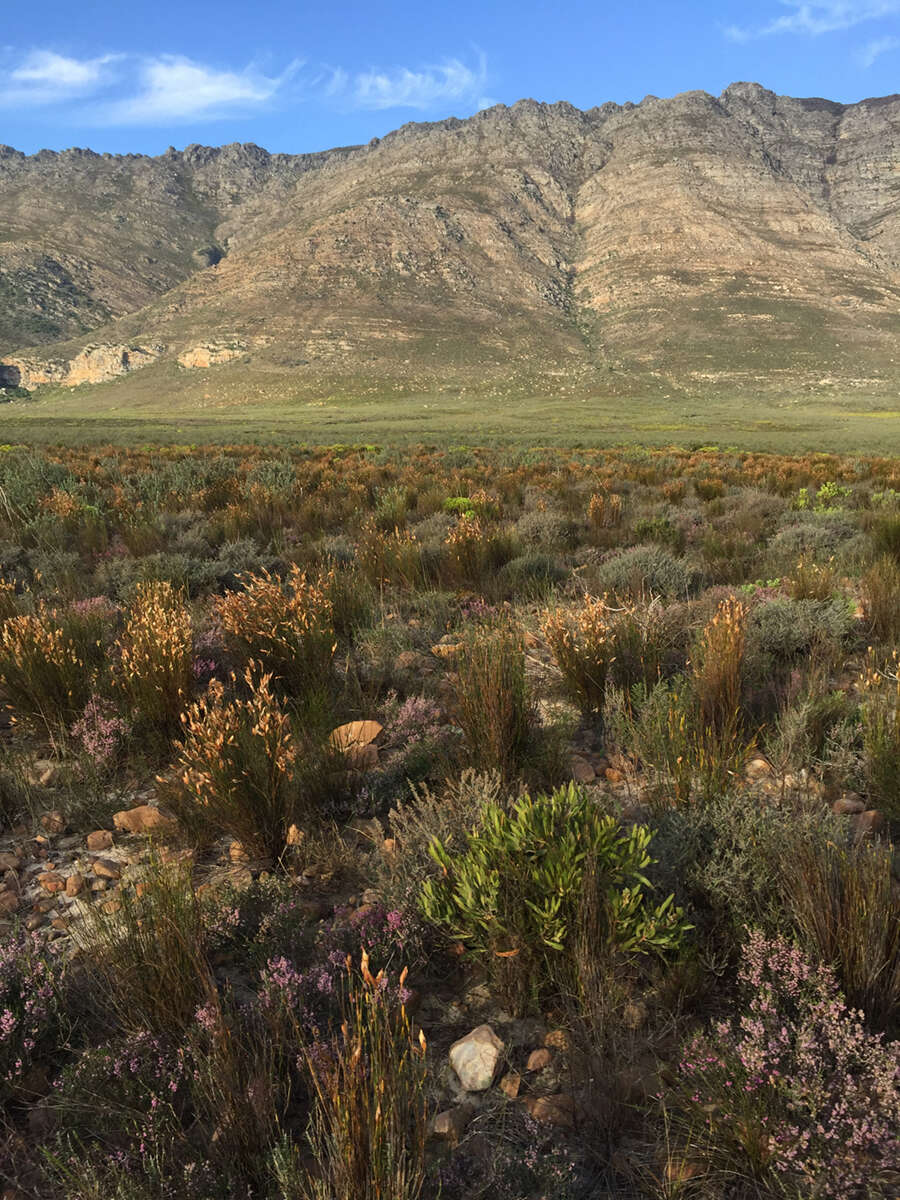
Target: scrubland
449,824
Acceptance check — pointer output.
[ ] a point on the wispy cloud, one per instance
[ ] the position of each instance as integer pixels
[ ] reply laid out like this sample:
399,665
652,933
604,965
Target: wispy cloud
42,77
446,82
167,89
874,50
174,89
815,17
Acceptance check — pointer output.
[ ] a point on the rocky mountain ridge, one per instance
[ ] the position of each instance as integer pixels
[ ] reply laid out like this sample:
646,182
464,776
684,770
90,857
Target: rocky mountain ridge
747,240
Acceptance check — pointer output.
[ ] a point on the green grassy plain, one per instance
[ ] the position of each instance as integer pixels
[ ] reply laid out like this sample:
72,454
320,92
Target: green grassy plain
161,405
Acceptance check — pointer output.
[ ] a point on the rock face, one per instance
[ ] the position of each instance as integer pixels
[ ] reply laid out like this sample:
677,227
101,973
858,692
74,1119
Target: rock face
747,239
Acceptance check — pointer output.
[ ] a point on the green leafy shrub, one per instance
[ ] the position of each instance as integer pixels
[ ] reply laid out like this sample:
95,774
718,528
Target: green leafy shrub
514,894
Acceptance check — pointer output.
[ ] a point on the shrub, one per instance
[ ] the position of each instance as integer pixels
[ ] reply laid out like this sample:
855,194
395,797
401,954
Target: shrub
148,953
583,647
845,904
42,678
688,759
368,1125
30,1005
494,705
605,510
886,536
881,598
812,581
445,817
99,734
647,571
237,769
156,656
288,628
514,894
529,576
880,716
793,1090
717,668
649,643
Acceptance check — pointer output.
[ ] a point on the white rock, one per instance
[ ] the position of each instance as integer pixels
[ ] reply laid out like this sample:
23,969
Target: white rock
474,1058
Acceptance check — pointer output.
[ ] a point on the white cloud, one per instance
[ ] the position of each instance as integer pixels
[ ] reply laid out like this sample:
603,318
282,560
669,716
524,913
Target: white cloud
43,77
424,89
174,89
874,50
167,89
815,17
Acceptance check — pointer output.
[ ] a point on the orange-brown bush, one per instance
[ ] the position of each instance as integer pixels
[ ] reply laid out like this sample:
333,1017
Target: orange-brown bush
286,627
583,646
237,767
43,680
718,666
155,656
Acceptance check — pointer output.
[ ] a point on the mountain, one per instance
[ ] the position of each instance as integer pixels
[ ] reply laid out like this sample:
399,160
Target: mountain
747,241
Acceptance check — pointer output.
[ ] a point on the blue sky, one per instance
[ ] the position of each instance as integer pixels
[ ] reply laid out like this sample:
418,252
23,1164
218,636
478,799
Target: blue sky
136,75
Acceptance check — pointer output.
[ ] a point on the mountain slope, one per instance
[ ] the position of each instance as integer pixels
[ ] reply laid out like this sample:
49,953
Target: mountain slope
748,241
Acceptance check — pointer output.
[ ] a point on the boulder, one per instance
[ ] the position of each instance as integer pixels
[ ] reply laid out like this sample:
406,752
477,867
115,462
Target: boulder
143,819
475,1057
100,839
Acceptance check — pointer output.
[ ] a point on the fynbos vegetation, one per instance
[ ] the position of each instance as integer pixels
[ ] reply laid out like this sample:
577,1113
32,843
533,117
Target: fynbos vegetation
477,824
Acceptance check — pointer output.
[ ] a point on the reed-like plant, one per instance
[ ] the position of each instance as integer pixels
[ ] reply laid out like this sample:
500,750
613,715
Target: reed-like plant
44,681
494,704
368,1125
583,646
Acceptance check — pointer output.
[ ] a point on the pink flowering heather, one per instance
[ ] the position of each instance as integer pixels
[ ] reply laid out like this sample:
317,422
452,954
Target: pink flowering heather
795,1087
100,732
29,1003
418,719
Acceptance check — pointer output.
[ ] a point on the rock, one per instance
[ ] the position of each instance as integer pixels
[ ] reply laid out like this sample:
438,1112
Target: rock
143,819
450,1125
9,902
552,1110
74,884
100,839
53,821
539,1059
10,860
581,769
52,881
237,853
294,836
389,846
35,921
111,906
758,768
867,824
354,735
107,868
849,803
612,775
99,885
510,1084
474,1058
